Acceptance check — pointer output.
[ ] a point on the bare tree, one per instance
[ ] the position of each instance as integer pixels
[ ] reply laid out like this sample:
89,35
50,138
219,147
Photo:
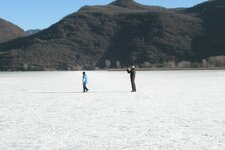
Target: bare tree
184,64
25,67
171,64
107,63
217,61
146,64
205,63
118,65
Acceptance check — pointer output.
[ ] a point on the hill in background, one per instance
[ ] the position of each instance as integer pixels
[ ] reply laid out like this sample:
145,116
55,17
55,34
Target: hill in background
120,34
32,31
9,31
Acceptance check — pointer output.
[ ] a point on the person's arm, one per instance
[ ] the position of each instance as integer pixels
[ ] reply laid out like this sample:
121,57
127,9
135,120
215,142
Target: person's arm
128,70
86,79
83,79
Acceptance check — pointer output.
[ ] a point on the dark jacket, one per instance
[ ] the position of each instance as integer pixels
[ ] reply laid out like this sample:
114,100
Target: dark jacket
132,73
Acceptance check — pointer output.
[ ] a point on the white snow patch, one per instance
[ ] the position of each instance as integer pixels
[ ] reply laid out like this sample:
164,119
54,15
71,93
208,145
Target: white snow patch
182,110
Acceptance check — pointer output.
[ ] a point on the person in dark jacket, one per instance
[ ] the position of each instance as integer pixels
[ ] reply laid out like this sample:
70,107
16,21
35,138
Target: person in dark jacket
132,73
85,81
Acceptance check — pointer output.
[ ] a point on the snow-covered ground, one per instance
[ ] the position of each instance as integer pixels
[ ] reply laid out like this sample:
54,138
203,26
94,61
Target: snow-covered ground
172,110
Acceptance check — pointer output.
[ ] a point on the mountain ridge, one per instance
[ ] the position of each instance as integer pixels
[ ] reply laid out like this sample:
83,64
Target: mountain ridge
97,35
9,31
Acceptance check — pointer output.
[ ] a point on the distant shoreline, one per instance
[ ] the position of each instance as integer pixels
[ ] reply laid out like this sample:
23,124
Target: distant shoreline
169,69
124,69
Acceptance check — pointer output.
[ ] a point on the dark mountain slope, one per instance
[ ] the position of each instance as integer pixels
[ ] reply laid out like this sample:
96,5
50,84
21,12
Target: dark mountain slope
9,31
122,31
211,40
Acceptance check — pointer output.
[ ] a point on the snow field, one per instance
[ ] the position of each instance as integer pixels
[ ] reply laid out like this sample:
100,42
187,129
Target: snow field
172,110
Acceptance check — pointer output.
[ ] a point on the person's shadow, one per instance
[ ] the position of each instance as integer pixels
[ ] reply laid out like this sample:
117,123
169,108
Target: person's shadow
76,92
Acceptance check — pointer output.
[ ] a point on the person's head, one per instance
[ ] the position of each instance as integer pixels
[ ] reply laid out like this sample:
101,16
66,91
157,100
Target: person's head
83,73
133,67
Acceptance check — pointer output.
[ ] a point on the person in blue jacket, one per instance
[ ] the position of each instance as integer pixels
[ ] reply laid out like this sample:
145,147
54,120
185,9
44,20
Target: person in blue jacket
85,81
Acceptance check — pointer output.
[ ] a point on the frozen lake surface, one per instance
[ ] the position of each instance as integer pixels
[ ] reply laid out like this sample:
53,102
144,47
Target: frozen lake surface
172,110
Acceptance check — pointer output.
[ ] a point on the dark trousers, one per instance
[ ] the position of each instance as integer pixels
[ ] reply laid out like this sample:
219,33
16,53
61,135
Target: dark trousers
85,89
133,84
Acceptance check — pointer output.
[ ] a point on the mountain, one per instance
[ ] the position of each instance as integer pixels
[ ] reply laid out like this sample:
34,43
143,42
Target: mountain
210,41
9,31
123,31
32,31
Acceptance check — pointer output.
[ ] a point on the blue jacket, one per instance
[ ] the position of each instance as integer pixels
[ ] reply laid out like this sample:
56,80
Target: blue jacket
85,79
